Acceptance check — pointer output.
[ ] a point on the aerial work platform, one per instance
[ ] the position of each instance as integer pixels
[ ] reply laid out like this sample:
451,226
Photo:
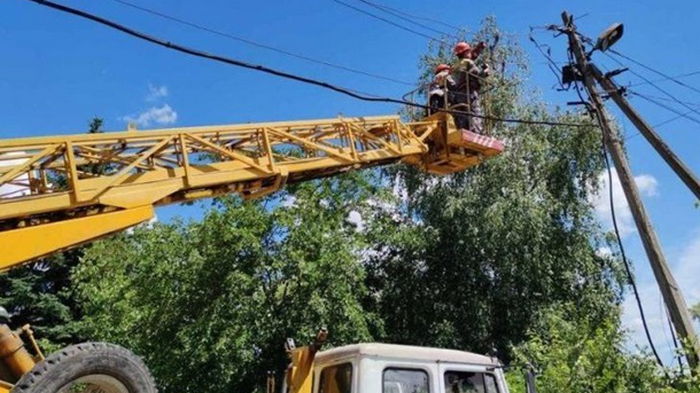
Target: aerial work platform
76,188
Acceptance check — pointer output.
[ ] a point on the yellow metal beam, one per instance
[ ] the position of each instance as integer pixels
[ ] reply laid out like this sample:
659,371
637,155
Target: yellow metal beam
35,241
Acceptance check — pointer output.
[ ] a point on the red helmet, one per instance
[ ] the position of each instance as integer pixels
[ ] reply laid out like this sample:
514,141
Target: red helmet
461,48
441,67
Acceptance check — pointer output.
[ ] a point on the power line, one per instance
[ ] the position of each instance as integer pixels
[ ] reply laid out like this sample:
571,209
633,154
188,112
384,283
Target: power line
375,16
670,120
668,108
404,18
671,78
416,17
662,123
260,45
667,78
278,73
666,93
691,103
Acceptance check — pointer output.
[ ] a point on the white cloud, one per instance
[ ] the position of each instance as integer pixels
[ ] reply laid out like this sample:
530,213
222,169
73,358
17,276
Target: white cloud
158,114
156,92
154,115
648,186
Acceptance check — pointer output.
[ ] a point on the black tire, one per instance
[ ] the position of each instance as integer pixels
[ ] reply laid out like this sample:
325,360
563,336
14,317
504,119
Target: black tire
103,367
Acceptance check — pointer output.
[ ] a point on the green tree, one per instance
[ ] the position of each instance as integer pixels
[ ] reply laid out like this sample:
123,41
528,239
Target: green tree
209,304
574,354
39,294
468,261
696,311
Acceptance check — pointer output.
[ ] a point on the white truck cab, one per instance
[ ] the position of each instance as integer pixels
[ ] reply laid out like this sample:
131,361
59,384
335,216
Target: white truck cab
388,368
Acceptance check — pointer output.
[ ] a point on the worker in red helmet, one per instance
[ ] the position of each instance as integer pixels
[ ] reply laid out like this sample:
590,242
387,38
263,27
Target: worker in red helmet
441,84
468,78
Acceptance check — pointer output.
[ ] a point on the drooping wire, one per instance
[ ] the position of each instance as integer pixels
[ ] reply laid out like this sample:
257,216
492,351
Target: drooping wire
676,344
260,45
648,68
628,269
551,64
278,73
406,19
630,276
387,21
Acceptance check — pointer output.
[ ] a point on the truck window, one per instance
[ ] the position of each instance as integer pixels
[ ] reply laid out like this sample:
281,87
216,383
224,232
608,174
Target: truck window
336,379
403,380
470,382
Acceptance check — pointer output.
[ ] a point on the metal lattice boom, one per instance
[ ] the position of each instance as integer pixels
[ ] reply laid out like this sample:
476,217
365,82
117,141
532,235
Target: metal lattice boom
76,188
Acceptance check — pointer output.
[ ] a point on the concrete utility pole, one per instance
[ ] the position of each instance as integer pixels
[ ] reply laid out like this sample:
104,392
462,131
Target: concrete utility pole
678,166
677,307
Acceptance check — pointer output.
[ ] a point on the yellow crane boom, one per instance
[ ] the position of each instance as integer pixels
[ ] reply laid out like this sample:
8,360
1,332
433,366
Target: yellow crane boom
67,190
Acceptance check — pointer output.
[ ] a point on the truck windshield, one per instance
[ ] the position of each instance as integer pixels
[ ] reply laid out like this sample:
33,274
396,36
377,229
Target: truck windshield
336,379
470,382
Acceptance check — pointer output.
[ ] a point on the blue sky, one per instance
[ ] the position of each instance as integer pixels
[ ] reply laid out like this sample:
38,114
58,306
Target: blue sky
58,71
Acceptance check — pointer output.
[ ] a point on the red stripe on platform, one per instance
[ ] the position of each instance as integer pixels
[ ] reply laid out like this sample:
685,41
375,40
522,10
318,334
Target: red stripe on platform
482,140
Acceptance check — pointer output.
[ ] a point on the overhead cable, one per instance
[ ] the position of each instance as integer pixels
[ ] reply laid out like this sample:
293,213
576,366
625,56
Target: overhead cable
691,103
413,16
407,19
669,77
666,93
385,20
669,108
260,45
282,74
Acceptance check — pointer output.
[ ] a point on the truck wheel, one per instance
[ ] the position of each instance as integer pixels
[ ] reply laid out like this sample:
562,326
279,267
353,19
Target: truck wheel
88,368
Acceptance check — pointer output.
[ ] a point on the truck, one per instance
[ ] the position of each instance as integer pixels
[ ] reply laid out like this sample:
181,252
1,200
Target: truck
390,368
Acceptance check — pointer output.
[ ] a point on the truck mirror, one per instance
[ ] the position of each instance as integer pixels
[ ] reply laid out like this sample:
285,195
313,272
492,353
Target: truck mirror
530,379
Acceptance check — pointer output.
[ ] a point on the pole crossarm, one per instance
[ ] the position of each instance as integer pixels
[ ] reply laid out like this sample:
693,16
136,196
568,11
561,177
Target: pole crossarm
61,178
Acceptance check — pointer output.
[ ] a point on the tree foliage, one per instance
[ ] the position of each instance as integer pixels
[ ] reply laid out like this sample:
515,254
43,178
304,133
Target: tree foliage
209,304
474,257
574,354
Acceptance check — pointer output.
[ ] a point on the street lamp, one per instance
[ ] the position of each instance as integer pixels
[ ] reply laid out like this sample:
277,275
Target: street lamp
609,37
